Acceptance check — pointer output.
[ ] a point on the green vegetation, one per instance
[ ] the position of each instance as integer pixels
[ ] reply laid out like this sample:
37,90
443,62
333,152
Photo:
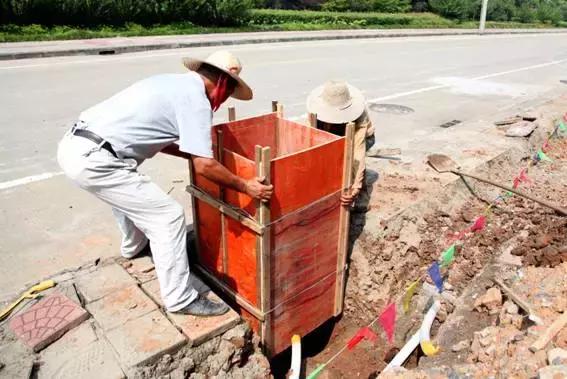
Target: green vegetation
24,20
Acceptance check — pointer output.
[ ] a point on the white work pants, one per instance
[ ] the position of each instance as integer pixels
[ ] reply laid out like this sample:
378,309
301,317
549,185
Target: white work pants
142,209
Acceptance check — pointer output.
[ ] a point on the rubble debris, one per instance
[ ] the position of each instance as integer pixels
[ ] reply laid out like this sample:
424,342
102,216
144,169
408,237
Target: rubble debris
557,356
508,121
521,129
490,301
460,346
553,372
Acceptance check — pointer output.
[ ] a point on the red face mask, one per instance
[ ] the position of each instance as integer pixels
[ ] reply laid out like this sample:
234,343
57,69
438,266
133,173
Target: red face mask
221,92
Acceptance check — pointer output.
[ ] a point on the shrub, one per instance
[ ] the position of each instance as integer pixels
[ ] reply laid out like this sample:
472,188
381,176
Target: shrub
455,9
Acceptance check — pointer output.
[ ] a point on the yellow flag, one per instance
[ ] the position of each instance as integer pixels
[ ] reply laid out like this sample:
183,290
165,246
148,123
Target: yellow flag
428,348
409,294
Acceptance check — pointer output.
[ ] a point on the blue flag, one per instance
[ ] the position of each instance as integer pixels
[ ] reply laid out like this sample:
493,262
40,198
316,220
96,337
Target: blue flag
435,275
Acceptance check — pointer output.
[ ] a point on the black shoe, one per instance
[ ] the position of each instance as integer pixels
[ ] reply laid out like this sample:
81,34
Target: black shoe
203,307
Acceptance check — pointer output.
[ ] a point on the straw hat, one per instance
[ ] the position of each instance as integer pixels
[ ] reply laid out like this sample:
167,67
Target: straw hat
336,102
227,63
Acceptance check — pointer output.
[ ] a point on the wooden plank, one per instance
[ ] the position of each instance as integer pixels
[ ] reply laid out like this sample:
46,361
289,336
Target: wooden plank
230,293
220,154
549,333
226,209
344,222
258,165
274,105
231,113
280,110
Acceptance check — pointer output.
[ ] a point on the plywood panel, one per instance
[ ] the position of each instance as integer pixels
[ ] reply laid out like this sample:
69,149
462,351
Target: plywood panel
210,254
304,247
305,177
246,169
243,135
241,275
303,314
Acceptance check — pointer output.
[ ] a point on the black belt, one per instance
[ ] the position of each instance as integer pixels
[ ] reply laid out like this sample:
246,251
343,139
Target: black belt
95,138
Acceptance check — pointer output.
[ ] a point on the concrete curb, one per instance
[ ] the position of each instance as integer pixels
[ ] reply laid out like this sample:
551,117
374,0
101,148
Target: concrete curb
230,40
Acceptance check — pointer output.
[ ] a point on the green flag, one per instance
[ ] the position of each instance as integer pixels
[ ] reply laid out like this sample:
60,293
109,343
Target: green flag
562,126
543,157
315,373
447,256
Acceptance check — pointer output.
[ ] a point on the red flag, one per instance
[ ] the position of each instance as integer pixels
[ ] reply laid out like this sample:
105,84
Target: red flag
517,182
388,321
363,333
545,146
524,176
479,224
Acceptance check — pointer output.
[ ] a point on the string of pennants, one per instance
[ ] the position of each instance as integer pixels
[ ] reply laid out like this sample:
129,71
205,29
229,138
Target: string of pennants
387,318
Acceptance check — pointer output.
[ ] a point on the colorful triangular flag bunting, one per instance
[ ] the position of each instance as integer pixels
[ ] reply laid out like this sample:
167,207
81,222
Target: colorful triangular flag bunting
543,157
363,333
315,373
447,256
409,294
562,126
428,348
435,275
388,321
479,224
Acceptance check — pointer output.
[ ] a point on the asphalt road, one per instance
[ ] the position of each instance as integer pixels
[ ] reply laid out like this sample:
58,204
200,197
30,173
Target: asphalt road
47,225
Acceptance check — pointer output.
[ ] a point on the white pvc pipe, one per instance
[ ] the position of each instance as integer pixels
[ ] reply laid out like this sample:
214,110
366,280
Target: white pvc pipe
295,369
410,346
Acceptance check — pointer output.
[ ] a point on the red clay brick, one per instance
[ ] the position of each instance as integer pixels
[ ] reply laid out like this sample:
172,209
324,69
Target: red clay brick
47,320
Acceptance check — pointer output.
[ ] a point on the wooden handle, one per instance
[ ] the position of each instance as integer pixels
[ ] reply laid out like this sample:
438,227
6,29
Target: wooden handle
545,203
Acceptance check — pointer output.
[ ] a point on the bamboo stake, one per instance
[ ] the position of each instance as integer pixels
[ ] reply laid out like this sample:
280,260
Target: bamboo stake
312,120
274,106
263,245
194,209
223,245
231,113
344,221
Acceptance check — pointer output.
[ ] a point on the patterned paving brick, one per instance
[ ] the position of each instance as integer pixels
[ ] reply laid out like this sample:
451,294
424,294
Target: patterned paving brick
118,307
103,281
145,339
47,320
79,354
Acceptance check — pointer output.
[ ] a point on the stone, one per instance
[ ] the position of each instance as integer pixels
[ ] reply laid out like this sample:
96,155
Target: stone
79,354
47,321
511,308
460,346
117,308
145,339
103,281
561,339
552,372
17,361
490,301
530,116
557,356
521,129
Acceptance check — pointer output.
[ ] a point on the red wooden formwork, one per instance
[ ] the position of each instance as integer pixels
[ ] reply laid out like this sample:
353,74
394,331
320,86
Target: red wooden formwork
306,169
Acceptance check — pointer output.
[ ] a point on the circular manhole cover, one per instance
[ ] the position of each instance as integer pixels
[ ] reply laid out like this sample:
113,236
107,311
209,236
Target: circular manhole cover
390,108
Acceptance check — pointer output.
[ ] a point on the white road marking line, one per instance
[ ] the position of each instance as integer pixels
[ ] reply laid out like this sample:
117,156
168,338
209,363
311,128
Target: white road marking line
28,180
495,74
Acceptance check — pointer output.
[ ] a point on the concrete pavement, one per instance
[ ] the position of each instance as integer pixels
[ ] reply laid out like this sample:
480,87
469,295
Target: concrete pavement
48,225
105,46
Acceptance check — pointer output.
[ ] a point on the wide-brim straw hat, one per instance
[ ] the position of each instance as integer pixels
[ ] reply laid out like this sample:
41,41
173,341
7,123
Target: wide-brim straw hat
227,63
336,102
